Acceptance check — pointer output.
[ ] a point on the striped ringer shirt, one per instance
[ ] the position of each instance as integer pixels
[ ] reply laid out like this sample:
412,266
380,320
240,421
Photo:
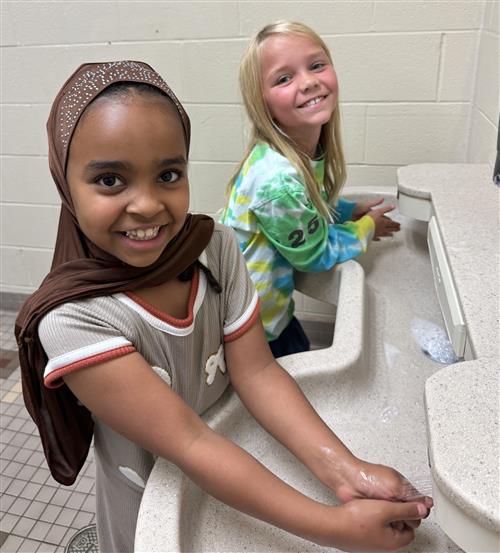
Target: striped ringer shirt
90,331
188,354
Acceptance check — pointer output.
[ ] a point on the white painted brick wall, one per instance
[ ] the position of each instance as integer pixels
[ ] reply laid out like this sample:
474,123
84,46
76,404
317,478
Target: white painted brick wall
386,67
209,184
216,132
31,224
27,181
36,73
325,17
87,22
486,98
353,118
482,137
210,71
456,83
401,15
23,268
416,133
412,89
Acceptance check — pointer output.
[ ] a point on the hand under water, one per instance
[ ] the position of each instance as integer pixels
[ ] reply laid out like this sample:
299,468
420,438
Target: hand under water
363,480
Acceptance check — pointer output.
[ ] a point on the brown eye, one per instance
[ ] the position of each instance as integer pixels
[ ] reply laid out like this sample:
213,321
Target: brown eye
170,176
109,181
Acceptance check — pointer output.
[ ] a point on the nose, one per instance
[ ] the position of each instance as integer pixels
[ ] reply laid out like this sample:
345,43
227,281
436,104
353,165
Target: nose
145,202
308,82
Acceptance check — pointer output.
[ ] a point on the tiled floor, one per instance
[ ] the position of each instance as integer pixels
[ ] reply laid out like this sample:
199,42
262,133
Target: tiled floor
37,513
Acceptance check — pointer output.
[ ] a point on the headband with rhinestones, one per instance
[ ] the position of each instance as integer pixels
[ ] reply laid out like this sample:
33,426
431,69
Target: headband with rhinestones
87,83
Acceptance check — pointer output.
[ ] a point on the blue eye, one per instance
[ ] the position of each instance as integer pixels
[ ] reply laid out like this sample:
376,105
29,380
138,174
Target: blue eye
283,79
170,176
318,65
109,181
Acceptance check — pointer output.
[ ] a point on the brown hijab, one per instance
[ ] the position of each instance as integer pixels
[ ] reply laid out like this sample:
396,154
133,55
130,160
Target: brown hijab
80,269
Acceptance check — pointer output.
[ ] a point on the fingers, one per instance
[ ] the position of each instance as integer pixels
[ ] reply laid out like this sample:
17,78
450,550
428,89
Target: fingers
401,525
409,492
384,233
414,524
403,537
414,510
391,223
428,502
398,525
384,209
408,518
372,203
425,500
385,227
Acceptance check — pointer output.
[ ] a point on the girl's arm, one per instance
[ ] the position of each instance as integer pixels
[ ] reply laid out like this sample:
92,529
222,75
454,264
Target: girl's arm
275,400
127,395
296,229
345,210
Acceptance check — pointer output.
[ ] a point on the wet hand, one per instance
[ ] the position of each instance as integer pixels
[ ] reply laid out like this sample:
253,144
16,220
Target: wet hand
362,480
373,525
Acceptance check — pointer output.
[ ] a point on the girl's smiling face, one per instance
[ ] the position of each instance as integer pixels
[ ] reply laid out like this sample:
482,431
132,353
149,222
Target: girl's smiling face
299,84
127,175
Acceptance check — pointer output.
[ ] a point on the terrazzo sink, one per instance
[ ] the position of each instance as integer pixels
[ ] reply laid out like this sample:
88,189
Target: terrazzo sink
460,202
368,386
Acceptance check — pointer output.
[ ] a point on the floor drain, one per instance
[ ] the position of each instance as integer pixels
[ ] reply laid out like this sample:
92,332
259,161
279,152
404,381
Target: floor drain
84,541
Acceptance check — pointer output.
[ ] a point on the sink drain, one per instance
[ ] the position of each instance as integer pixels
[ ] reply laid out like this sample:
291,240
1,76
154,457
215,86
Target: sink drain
84,541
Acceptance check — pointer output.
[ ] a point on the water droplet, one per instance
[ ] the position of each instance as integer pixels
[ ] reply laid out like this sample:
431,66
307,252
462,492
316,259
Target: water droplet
388,414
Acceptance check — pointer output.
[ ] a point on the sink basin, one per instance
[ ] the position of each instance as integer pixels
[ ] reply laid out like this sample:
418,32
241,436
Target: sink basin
368,386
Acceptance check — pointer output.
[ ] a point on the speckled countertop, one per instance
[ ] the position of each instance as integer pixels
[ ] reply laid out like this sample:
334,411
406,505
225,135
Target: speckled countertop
462,399
375,367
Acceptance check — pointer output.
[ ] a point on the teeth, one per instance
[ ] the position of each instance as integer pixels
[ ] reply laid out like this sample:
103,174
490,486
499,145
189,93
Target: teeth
313,102
142,234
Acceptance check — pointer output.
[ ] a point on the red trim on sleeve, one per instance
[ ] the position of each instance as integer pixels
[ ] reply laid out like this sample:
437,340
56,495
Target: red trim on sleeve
165,317
246,326
54,379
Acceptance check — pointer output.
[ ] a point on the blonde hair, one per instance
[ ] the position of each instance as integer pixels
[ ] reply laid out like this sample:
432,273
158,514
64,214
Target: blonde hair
264,129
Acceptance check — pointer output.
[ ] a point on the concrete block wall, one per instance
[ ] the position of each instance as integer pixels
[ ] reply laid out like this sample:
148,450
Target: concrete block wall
484,117
407,72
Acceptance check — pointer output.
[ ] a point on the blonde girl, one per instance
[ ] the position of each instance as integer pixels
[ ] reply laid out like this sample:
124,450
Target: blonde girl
283,199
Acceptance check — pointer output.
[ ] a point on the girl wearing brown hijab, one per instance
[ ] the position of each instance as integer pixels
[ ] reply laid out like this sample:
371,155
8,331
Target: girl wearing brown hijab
147,313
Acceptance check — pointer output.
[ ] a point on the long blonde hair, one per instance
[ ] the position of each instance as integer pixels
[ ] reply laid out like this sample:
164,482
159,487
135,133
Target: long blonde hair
264,129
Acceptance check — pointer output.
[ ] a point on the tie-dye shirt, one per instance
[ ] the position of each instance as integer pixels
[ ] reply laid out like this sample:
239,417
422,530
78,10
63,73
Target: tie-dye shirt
279,230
